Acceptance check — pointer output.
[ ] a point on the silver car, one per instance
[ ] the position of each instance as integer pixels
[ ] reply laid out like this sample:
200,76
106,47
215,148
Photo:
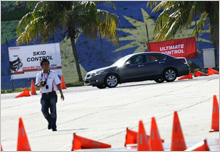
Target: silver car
138,67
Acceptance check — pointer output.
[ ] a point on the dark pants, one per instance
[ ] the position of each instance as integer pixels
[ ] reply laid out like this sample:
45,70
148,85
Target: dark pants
48,101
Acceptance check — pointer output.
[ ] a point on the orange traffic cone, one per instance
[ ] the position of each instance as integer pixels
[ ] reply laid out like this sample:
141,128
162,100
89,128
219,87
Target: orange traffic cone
178,142
183,77
201,146
215,72
143,142
131,137
25,93
155,140
189,76
215,115
84,143
1,148
63,86
33,91
198,73
212,71
21,95
23,143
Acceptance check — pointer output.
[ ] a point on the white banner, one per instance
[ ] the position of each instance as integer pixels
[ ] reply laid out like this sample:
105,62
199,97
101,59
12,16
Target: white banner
25,60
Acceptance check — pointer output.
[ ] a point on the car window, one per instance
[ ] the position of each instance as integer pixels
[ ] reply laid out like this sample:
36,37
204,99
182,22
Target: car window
138,59
154,58
121,60
161,57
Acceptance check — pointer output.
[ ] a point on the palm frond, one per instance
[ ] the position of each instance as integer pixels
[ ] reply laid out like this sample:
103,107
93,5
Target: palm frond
190,16
162,19
172,29
69,16
200,24
108,25
25,20
160,6
151,3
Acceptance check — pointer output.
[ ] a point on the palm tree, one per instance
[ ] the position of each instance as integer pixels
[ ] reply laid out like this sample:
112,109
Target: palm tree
104,30
177,15
48,16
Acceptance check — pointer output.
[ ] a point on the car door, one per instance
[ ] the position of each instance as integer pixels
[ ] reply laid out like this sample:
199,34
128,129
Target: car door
134,68
155,64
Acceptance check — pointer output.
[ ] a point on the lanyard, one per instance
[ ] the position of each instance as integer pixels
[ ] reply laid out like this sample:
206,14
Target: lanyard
44,76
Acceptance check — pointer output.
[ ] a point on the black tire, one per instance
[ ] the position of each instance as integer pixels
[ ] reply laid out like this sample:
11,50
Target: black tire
159,80
101,86
170,75
111,80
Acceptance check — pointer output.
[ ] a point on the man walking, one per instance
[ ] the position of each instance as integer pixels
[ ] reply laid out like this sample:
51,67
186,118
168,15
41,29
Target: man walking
49,81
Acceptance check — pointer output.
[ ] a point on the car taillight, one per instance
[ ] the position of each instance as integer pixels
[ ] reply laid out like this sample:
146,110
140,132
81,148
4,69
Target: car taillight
183,61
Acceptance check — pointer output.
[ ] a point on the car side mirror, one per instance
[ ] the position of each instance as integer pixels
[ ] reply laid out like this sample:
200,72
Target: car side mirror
127,63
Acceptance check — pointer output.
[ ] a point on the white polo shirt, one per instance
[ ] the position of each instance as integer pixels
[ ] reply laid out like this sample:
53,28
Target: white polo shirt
52,81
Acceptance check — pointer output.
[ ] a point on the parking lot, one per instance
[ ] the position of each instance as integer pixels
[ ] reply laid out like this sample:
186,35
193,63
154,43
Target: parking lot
104,114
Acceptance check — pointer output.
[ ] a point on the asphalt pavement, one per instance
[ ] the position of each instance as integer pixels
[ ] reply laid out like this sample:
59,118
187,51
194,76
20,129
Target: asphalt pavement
104,114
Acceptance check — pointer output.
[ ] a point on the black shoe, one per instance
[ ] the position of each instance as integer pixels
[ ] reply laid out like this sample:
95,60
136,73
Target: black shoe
54,129
49,127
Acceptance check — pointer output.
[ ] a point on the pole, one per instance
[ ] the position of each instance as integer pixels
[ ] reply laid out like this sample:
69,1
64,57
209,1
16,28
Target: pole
12,81
147,32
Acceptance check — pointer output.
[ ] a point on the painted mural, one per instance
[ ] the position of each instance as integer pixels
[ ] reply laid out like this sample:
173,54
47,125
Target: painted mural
134,17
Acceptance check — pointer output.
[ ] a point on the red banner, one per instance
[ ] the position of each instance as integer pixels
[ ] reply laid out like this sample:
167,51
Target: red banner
185,47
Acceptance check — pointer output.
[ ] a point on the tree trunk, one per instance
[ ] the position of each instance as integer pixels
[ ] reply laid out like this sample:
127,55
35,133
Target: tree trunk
213,14
72,38
197,40
102,51
215,39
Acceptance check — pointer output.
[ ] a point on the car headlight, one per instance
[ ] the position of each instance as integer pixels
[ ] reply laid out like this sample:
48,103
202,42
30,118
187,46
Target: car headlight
98,73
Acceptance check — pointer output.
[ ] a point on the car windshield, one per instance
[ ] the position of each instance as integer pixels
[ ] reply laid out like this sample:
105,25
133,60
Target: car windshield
121,61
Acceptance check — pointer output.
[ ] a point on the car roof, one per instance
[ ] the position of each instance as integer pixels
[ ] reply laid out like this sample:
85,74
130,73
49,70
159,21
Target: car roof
151,53
148,53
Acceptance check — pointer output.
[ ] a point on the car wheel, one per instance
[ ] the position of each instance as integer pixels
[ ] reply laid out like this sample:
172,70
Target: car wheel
101,86
111,80
159,80
170,75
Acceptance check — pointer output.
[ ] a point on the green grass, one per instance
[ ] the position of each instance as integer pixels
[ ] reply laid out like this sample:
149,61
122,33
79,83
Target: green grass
75,84
72,84
16,90
68,64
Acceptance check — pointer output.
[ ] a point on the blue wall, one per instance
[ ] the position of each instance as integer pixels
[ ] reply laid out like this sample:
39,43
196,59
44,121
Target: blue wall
89,52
